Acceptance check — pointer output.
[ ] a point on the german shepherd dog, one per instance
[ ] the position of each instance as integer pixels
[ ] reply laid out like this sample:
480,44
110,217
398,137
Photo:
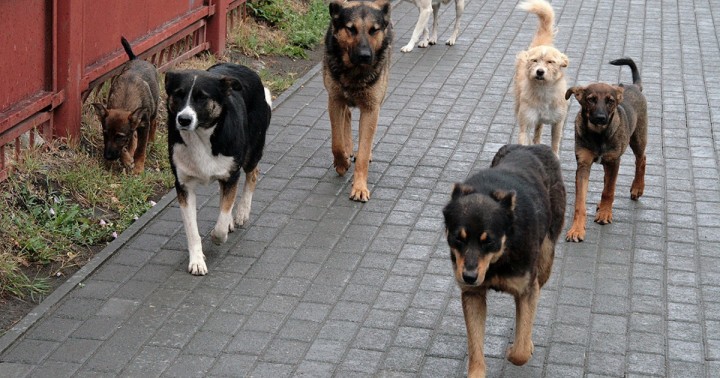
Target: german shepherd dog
502,225
611,118
217,120
355,72
129,119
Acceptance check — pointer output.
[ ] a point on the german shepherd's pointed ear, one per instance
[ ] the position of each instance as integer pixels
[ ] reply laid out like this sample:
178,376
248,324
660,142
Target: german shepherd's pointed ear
385,8
100,110
136,117
230,84
335,7
460,190
506,198
577,91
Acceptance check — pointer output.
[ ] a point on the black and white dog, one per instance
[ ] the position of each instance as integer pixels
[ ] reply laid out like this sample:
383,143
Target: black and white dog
217,120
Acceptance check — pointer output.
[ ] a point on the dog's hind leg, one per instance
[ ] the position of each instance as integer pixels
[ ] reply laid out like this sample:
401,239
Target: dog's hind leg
556,136
225,224
186,199
537,136
425,7
474,306
525,306
242,214
637,144
459,8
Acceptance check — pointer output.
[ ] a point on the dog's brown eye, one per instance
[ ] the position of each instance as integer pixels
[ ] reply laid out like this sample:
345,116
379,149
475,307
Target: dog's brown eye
351,29
550,62
534,60
592,100
610,100
373,30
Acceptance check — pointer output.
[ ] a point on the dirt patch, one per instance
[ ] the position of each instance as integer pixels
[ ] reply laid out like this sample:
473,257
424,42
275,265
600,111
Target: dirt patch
14,309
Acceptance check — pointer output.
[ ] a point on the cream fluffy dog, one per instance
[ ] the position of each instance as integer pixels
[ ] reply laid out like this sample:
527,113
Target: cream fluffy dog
427,7
540,79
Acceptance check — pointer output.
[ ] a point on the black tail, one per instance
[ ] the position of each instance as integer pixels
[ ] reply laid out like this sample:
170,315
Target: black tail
629,62
128,49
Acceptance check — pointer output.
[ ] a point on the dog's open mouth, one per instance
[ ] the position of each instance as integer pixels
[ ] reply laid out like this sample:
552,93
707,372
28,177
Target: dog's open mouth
538,77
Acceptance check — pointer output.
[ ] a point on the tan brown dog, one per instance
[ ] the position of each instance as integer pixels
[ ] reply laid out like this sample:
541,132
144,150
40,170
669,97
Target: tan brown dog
355,73
129,119
611,118
540,80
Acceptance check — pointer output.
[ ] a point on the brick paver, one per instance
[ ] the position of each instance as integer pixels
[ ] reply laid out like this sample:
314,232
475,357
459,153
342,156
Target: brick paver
317,285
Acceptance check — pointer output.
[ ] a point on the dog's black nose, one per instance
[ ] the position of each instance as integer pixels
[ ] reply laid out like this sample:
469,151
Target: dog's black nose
470,276
599,119
365,56
184,120
540,72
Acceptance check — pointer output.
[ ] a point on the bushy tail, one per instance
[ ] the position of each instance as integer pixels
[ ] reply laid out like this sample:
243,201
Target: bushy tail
128,49
546,19
633,68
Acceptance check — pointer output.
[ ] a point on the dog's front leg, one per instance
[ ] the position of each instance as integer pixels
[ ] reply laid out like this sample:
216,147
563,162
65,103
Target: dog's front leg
243,210
582,176
368,126
140,150
425,7
341,132
459,8
525,307
186,199
475,310
604,210
556,136
225,224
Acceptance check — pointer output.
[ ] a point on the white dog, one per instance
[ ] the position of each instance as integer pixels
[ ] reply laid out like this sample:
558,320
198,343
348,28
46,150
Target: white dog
426,7
540,80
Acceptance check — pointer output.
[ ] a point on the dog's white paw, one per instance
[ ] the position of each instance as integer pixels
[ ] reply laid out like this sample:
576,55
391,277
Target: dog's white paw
218,236
423,44
407,48
197,266
242,215
450,42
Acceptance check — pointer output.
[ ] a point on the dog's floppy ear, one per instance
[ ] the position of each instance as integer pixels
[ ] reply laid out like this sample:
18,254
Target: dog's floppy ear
136,117
170,79
522,55
619,93
506,198
230,84
577,91
100,110
564,61
460,190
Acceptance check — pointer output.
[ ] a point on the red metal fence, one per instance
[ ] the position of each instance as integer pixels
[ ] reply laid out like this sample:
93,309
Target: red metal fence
54,52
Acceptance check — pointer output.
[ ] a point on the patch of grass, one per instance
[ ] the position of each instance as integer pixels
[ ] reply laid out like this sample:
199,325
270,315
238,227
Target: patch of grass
281,27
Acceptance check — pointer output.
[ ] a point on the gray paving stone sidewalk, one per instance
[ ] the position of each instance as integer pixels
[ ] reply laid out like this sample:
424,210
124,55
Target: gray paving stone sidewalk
317,285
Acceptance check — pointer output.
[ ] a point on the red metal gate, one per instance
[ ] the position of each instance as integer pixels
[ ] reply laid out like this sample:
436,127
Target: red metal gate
54,52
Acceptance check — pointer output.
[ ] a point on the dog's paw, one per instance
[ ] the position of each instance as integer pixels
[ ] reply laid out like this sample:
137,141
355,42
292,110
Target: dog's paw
197,266
218,236
603,216
424,43
359,193
520,355
450,42
636,192
576,234
341,165
242,216
407,48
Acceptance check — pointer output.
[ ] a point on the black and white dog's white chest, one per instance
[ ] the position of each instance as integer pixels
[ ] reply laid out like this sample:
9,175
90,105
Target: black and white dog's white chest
194,159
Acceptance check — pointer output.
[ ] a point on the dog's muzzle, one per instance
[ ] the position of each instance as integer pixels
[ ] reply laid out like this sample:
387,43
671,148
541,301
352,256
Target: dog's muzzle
186,119
599,119
540,74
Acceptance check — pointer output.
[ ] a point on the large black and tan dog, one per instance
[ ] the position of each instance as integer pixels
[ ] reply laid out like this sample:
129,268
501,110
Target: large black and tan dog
611,118
217,120
355,72
502,225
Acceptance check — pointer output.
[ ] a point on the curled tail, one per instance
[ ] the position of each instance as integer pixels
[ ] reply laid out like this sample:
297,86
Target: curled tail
633,68
546,19
128,49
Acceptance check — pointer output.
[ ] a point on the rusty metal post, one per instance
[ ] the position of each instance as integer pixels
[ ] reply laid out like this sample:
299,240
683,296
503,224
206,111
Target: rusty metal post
69,29
217,27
